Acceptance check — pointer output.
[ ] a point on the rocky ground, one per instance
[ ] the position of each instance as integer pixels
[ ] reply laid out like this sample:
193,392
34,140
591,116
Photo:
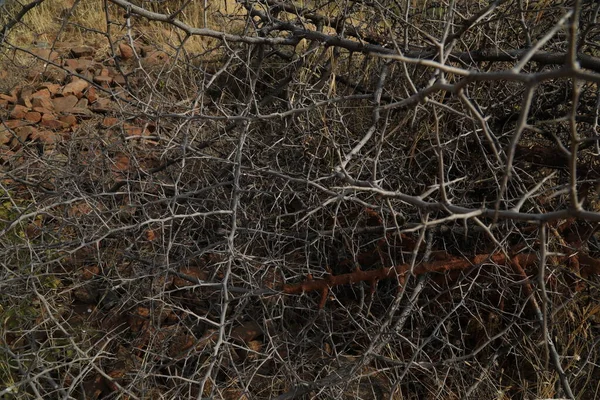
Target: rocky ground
72,88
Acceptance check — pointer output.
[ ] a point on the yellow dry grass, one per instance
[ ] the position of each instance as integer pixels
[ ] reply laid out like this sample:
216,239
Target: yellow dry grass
85,22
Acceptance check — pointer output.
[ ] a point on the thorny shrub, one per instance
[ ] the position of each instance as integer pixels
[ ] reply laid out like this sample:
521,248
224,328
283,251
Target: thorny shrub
392,199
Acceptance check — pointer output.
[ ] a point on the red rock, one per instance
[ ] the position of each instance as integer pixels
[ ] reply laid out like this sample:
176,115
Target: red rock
82,51
44,136
53,88
5,135
102,105
43,93
25,96
78,64
71,64
46,54
88,272
91,94
35,73
41,102
121,162
70,120
63,104
109,122
156,57
50,121
26,101
33,116
145,50
15,91
88,75
82,103
43,110
54,74
6,155
13,123
26,91
3,103
119,80
11,99
23,133
126,51
132,130
81,111
76,87
103,80
19,112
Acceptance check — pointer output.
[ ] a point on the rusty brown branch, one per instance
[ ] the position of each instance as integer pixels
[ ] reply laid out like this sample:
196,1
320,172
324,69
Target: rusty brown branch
518,263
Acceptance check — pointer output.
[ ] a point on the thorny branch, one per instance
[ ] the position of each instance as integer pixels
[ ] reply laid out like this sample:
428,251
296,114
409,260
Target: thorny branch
390,199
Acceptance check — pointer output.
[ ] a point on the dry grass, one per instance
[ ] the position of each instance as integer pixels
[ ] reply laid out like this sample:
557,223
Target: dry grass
129,279
85,22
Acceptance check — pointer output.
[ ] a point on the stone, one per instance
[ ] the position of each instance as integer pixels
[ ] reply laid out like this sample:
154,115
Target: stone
35,73
5,135
41,102
109,122
145,50
15,91
46,54
13,123
19,112
49,121
88,272
91,94
126,51
45,136
54,74
70,120
85,294
82,51
43,110
156,58
119,80
76,88
42,93
6,155
104,81
24,133
33,116
81,112
25,96
120,162
64,104
11,99
53,88
82,103
87,75
78,64
132,130
192,271
102,105
71,64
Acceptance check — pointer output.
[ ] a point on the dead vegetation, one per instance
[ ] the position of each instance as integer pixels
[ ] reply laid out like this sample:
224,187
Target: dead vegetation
299,200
